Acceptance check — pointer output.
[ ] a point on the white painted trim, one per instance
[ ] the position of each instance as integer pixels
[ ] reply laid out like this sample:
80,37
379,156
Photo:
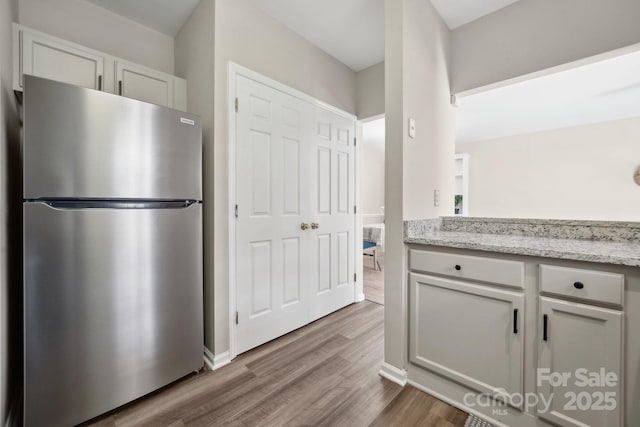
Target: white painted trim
456,404
393,374
553,70
234,70
360,216
231,175
208,358
215,362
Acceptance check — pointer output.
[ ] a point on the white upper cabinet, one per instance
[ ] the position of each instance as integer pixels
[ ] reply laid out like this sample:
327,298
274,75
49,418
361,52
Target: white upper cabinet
47,57
144,84
41,55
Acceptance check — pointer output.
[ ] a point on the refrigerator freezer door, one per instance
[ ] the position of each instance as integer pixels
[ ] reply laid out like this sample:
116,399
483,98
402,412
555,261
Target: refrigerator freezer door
113,307
82,143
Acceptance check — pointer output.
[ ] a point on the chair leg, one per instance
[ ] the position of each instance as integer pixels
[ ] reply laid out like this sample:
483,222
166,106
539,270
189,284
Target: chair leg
375,260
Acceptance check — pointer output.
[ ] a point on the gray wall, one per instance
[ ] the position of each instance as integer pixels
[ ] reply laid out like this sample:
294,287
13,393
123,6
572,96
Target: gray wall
370,91
9,149
92,26
416,86
532,35
580,172
246,36
195,63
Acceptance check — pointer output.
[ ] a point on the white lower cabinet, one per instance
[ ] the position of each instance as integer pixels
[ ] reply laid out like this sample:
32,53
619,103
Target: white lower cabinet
579,341
468,332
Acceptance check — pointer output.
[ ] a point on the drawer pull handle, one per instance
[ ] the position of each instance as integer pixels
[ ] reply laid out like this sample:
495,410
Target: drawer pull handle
578,285
545,324
515,321
458,267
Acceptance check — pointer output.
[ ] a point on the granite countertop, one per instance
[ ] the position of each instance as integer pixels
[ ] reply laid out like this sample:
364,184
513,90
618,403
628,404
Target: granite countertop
434,233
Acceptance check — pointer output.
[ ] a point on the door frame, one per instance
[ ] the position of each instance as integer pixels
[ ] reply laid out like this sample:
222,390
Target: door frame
233,72
360,215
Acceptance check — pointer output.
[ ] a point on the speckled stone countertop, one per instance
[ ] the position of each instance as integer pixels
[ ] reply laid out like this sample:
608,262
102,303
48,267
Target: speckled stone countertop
616,243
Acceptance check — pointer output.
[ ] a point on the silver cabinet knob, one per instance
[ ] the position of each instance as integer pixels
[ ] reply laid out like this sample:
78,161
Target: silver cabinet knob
315,225
304,226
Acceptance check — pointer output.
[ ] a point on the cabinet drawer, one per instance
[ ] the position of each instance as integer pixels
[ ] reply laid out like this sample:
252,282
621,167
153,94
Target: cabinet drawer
502,272
587,285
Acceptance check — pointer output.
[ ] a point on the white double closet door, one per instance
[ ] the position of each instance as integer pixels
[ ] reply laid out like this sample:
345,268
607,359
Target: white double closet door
294,168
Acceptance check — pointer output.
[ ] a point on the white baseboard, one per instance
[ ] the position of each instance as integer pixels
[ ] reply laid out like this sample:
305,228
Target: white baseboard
360,297
214,362
393,374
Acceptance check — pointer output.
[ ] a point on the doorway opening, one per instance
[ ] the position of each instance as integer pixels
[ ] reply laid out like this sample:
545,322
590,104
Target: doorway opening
372,195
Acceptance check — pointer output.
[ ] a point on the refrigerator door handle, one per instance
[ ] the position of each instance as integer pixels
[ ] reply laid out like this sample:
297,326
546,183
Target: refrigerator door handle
119,204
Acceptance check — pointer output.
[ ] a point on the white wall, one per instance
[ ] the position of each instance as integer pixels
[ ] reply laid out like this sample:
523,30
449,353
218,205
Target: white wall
92,26
532,35
370,91
583,172
371,175
250,38
9,148
194,61
416,85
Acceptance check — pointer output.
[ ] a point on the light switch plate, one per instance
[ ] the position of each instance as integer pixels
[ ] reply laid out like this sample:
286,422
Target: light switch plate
412,128
436,198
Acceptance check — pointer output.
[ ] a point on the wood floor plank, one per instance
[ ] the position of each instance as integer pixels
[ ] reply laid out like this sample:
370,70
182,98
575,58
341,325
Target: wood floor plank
325,374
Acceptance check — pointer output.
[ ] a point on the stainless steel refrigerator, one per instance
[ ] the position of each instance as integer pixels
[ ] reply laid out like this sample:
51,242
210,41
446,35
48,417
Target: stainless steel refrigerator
112,250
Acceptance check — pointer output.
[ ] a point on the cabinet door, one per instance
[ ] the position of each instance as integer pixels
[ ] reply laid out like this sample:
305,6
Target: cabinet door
141,83
470,333
49,58
580,337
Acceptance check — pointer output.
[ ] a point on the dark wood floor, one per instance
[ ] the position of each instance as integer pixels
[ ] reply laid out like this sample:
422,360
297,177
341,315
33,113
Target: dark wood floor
325,374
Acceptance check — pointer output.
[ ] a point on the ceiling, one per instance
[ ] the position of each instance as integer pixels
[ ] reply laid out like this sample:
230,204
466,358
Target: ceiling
165,16
373,135
601,91
351,31
456,13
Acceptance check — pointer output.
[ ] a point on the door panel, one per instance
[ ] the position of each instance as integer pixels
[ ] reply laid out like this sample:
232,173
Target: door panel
586,337
271,248
294,165
113,300
333,209
121,148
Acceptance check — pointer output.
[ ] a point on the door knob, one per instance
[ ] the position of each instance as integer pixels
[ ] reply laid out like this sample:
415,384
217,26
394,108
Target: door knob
304,226
315,225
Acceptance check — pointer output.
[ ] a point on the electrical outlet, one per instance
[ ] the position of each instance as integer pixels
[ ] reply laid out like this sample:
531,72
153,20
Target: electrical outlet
436,198
412,128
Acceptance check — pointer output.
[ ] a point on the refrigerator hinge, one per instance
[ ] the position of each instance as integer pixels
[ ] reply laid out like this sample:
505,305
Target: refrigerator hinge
237,104
236,211
237,317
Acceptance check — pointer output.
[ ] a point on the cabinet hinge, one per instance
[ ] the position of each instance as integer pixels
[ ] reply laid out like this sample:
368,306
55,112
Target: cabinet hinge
237,104
236,211
237,317
355,141
355,209
355,277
